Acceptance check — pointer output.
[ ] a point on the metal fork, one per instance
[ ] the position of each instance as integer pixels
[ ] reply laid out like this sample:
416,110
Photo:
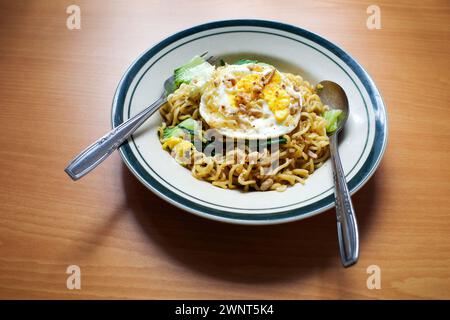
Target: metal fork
97,152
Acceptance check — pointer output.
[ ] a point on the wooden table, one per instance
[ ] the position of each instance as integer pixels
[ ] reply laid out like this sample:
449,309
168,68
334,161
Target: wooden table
55,97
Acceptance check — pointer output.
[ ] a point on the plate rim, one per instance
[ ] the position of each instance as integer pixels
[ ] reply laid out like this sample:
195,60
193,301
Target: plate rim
379,109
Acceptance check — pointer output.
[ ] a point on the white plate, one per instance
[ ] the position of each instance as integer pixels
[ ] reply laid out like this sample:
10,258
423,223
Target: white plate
289,48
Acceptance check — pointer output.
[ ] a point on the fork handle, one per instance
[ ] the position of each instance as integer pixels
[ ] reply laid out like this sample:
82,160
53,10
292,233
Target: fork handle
93,155
346,221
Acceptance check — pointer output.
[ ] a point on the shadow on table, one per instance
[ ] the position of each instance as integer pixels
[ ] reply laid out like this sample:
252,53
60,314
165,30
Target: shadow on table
244,254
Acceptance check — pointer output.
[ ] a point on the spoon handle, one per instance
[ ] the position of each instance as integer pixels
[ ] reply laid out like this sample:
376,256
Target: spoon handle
346,220
97,152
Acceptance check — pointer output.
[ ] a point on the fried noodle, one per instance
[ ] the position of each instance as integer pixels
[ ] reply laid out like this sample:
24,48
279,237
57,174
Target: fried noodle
305,150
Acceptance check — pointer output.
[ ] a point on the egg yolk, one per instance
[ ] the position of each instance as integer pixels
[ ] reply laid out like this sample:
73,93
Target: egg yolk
171,143
246,84
277,98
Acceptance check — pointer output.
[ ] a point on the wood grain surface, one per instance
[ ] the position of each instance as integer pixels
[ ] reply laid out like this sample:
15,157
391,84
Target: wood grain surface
55,97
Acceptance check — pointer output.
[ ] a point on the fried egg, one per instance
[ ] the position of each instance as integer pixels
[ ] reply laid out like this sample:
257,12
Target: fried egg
250,101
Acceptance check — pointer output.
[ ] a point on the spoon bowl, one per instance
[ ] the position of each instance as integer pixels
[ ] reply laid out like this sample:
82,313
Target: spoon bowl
334,96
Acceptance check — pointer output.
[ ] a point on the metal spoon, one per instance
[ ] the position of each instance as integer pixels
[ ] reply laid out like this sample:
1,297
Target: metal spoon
334,96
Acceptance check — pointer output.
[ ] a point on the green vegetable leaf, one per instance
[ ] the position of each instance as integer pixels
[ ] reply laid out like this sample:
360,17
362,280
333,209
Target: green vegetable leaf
332,117
172,132
279,140
186,127
196,67
245,61
189,126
